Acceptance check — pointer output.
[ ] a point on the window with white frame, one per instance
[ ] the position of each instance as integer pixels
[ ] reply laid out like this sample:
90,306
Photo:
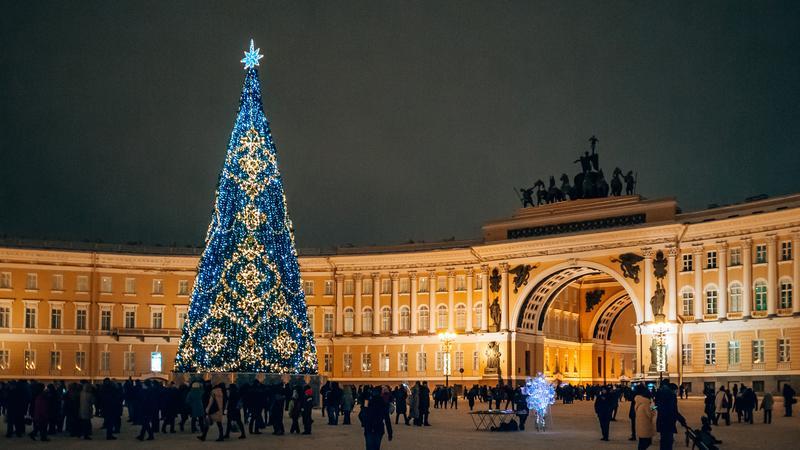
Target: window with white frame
5,359
711,353
30,316
735,297
105,285
328,363
347,362
30,359
687,298
711,259
181,315
760,297
479,283
80,361
688,262
786,250
439,361
81,318
477,318
424,317
758,351
129,362
5,315
329,287
422,362
366,320
308,287
348,287
366,362
441,284
402,362
55,360
310,317
58,282
130,285
441,317
158,286
386,286
56,312
686,354
405,285
735,257
105,361
366,286
476,361
711,300
130,317
461,316
157,318
786,294
384,362
386,319
761,253
82,283
105,319
734,352
405,318
327,324
183,287
784,350
32,281
461,282
423,284
348,320
458,362
5,280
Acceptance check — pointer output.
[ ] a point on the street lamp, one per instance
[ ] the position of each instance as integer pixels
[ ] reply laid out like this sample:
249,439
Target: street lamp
447,340
660,337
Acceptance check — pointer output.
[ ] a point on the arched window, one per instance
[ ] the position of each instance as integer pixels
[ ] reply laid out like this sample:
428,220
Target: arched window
366,320
687,296
760,297
461,316
348,320
424,318
786,293
386,319
712,297
477,318
405,318
441,317
735,297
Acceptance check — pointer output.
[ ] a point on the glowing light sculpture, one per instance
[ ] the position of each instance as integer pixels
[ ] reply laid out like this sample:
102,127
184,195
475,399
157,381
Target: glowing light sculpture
248,311
540,395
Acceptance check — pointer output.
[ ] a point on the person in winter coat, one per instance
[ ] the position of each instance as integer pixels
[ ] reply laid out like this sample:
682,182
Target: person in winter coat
194,402
788,399
400,395
643,406
632,414
39,412
308,405
86,411
276,411
294,411
111,400
147,408
521,407
214,408
414,404
424,403
602,407
722,407
667,405
347,404
376,421
234,411
766,405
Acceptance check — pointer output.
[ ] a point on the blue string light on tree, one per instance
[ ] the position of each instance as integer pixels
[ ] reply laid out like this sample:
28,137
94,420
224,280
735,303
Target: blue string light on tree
540,395
247,311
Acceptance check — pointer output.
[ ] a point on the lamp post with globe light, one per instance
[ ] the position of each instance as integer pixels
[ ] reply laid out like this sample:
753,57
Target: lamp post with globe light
447,340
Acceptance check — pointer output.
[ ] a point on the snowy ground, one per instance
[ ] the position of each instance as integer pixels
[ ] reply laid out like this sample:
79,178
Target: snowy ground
573,426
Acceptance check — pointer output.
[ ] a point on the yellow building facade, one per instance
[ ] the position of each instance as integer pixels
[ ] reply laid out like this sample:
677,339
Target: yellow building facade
572,289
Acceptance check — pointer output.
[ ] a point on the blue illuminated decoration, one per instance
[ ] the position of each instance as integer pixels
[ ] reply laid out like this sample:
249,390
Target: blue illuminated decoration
248,311
251,58
540,395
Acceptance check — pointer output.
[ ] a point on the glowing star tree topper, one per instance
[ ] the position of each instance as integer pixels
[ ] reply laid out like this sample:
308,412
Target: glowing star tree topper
247,311
540,395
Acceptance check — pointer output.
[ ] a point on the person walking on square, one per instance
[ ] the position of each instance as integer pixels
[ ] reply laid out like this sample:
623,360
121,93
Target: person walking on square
276,411
332,403
668,414
643,407
376,421
721,407
521,407
308,405
234,411
602,407
400,395
632,413
214,408
424,404
294,411
86,411
788,399
766,405
347,404
414,404
39,412
194,402
147,407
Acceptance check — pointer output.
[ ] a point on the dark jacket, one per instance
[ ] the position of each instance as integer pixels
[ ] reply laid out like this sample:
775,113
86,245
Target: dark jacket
667,404
375,417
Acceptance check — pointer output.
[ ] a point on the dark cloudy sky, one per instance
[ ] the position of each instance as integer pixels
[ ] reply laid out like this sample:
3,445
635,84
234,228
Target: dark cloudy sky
394,120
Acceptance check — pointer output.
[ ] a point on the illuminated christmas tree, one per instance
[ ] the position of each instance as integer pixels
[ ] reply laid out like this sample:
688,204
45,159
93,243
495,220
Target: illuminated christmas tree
248,311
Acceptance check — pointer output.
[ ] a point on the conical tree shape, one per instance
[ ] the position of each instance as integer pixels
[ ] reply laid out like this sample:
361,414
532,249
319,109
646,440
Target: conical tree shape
248,311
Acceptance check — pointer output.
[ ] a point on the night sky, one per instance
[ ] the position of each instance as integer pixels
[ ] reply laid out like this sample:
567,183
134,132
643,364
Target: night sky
393,120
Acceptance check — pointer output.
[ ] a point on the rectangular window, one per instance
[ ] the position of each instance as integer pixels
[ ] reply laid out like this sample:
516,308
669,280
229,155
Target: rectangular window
130,285
758,351
157,320
686,354
476,361
366,362
441,284
105,320
758,386
735,298
130,318
30,359
784,349
5,317
688,262
405,285
80,361
329,287
30,317
182,315
385,362
58,282
347,362
688,303
105,361
461,282
478,283
129,362
423,284
711,260
310,315
458,363
80,319
5,359
328,323
308,287
155,362
55,360
32,281
422,362
599,365
734,355
328,363
348,287
105,285
711,301
82,283
786,250
158,287
55,318
386,286
402,362
5,280
366,286
711,353
439,363
183,287
761,253
786,294
735,257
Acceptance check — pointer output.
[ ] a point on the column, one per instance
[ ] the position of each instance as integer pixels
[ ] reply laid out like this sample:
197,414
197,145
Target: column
339,304
395,302
357,312
747,277
647,253
795,273
672,281
503,296
722,268
376,303
698,282
469,300
451,300
772,275
432,302
413,276
485,298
